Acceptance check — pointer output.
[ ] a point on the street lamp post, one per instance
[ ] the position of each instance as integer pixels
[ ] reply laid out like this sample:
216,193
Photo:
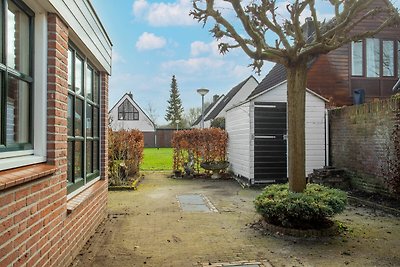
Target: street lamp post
202,92
177,124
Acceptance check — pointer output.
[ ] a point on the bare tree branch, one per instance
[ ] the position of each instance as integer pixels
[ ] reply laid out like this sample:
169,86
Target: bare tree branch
259,18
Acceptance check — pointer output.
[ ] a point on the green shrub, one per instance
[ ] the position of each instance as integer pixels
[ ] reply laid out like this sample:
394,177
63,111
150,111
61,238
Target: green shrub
307,210
218,123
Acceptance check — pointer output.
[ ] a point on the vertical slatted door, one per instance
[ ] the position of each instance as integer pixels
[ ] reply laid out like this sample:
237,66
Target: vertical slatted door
270,150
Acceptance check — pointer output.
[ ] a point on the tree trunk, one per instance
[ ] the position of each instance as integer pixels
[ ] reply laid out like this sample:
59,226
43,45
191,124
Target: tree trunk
296,92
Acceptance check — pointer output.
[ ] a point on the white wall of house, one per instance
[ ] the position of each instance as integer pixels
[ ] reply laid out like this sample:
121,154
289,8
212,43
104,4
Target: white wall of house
315,130
144,123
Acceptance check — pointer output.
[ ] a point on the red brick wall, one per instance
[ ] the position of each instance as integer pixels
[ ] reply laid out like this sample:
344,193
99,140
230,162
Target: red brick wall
365,140
37,225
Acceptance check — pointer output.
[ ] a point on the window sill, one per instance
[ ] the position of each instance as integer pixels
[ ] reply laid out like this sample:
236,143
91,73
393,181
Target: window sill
20,161
25,174
76,201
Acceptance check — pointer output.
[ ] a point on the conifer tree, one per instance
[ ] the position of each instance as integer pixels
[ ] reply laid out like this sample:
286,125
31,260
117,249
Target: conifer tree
174,109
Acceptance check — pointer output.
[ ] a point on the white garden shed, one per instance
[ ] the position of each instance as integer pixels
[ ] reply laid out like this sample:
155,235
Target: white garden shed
257,129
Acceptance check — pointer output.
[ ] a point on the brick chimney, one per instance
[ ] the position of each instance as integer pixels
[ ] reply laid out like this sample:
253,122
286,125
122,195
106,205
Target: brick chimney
308,28
215,98
130,95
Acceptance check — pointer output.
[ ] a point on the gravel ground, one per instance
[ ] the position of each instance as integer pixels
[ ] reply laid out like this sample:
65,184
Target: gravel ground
148,228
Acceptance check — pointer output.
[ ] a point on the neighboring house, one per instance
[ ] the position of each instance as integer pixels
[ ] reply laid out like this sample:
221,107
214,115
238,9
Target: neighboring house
371,65
216,100
54,68
127,114
237,94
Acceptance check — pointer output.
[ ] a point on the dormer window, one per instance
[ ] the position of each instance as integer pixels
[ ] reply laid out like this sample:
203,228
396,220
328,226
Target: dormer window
127,112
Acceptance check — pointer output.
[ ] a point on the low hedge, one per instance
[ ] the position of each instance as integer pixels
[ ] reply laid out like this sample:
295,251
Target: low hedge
125,153
199,145
308,210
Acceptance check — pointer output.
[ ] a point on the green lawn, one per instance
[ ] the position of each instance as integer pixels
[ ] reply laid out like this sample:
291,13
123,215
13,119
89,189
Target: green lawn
157,159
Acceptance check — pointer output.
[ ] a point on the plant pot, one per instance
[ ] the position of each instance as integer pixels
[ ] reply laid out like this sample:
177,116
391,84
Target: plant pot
215,167
178,173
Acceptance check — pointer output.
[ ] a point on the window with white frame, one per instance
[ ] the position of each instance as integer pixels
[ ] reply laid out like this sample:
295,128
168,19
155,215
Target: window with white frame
83,121
16,78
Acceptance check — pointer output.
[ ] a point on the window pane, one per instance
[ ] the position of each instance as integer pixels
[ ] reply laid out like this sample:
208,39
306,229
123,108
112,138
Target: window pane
18,106
1,109
89,83
70,152
78,117
96,88
1,31
356,59
398,59
89,157
136,116
78,160
373,58
89,120
95,122
18,39
78,75
129,107
95,156
70,68
70,115
388,58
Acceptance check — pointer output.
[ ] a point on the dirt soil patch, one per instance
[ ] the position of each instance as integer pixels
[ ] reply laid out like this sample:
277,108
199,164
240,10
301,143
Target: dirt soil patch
148,228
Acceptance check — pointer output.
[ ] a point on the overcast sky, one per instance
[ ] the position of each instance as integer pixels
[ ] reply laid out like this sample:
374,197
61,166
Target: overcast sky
153,40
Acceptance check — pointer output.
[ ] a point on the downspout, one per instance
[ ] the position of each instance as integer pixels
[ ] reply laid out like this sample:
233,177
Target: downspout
251,141
327,162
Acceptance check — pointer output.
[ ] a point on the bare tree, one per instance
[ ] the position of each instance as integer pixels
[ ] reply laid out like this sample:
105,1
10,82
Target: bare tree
291,48
192,114
152,112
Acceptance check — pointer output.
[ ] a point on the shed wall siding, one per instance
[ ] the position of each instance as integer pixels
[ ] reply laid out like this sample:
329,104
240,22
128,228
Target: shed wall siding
238,128
315,125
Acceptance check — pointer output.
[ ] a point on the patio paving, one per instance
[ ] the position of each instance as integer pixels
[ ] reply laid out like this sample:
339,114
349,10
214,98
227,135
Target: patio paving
169,222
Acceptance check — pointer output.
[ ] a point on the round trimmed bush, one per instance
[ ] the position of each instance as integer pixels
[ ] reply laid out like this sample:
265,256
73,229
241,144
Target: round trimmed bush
308,210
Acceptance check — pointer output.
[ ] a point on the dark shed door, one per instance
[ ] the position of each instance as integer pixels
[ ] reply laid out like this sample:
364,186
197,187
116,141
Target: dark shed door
270,152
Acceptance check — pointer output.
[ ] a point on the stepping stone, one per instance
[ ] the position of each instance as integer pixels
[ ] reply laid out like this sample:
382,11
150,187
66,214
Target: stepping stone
195,203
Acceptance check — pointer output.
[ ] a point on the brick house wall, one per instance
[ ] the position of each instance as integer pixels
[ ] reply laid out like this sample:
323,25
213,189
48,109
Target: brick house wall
39,226
365,141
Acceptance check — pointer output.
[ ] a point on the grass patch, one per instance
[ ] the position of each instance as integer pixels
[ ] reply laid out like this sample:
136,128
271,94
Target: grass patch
157,159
